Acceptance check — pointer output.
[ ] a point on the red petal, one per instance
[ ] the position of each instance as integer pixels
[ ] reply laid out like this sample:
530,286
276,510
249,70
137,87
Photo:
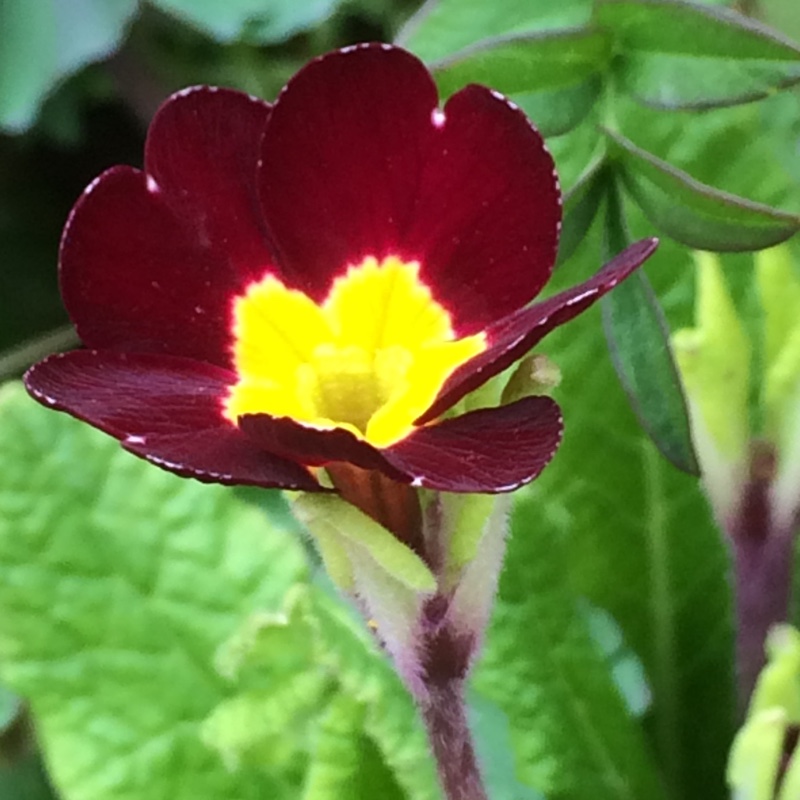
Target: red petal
512,337
150,264
486,223
313,446
489,450
164,409
357,161
341,159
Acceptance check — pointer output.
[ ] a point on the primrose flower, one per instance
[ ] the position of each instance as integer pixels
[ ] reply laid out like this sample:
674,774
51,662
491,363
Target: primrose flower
289,286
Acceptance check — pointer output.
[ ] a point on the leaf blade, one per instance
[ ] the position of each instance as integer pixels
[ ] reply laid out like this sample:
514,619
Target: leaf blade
693,213
684,55
109,593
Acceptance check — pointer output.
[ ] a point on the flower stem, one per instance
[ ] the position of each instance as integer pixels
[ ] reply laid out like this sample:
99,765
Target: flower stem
444,713
447,653
763,560
763,589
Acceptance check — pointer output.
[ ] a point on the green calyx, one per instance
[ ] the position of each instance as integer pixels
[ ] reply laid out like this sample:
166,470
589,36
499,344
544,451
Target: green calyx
465,519
345,534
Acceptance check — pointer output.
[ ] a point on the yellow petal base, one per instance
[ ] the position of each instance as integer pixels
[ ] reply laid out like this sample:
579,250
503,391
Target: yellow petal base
371,358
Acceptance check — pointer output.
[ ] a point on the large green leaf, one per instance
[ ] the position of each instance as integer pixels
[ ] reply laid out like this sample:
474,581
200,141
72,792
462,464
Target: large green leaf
693,213
119,582
259,21
44,41
681,55
641,545
442,27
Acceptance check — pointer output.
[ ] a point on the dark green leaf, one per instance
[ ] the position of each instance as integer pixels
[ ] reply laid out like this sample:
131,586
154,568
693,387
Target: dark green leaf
581,203
43,42
9,708
25,780
681,55
639,342
557,111
693,213
529,62
442,27
638,338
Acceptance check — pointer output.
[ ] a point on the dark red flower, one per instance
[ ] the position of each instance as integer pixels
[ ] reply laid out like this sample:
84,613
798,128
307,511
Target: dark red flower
318,280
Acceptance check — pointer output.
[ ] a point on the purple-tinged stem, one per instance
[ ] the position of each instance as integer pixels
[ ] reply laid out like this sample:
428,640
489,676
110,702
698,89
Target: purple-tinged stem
447,656
445,718
444,647
762,557
763,592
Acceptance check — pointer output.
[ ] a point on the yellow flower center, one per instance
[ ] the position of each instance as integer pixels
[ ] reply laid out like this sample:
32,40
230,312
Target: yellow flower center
371,358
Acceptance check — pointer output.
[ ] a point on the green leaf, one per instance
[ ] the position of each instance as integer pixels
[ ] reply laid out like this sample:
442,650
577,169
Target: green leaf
638,338
697,215
581,204
256,21
683,55
10,706
45,41
494,746
25,780
442,27
641,545
391,720
345,762
570,728
119,582
313,689
557,111
530,62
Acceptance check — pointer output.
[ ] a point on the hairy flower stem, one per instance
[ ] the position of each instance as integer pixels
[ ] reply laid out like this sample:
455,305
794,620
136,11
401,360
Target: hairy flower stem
447,653
444,713
762,558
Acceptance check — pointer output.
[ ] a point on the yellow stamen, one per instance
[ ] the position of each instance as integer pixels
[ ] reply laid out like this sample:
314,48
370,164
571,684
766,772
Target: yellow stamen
371,358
